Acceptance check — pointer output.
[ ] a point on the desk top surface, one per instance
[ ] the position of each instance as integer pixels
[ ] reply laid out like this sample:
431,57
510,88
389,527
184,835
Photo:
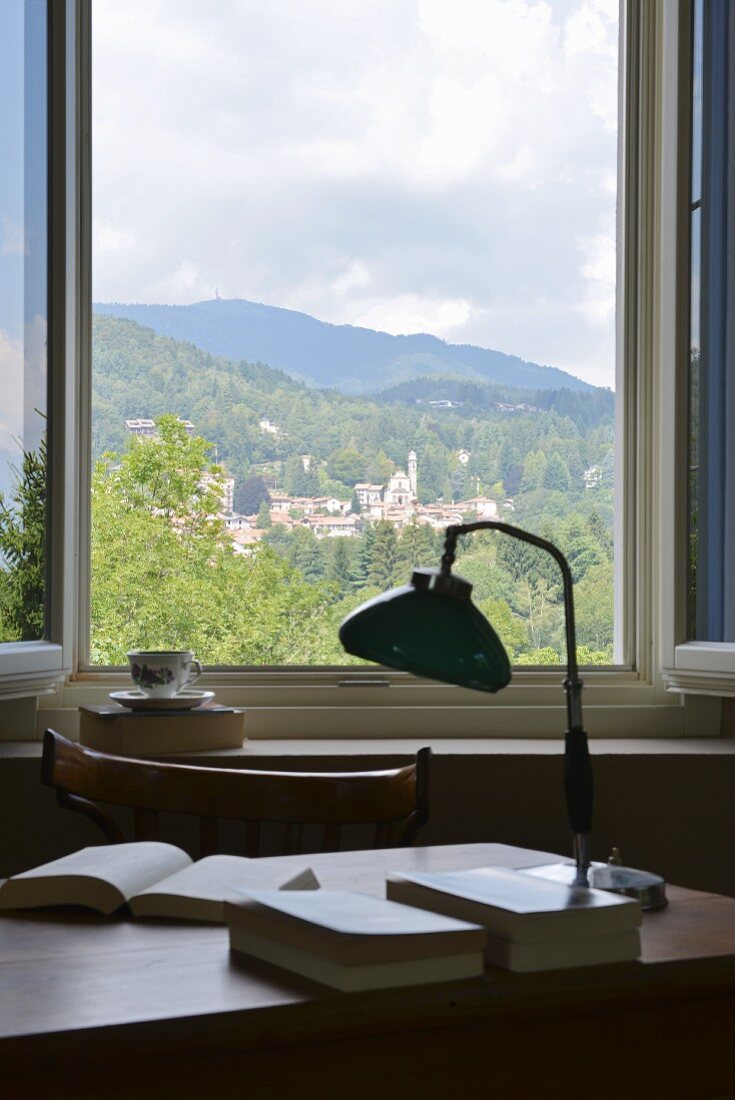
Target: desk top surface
69,971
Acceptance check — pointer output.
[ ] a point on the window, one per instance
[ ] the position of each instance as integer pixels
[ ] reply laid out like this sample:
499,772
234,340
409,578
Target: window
704,658
653,218
33,558
375,244
712,377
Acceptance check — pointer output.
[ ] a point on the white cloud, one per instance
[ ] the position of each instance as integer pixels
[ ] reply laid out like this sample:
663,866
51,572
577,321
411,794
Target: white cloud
23,376
13,238
363,161
598,269
355,277
411,313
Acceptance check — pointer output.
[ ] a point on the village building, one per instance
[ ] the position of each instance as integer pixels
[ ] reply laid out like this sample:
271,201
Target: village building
267,427
238,522
334,526
146,427
337,507
592,477
368,495
413,474
438,516
463,456
483,507
244,541
227,491
228,495
284,518
398,491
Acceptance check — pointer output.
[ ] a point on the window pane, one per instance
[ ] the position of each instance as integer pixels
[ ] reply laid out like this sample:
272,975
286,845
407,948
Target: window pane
712,340
360,258
23,314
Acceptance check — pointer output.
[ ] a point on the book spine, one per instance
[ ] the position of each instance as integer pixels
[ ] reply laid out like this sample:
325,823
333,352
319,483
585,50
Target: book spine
152,735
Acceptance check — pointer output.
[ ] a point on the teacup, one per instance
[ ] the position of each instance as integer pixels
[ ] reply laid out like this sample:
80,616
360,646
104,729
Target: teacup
161,673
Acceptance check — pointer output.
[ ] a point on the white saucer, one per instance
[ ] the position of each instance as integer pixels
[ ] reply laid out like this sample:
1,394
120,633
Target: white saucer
185,700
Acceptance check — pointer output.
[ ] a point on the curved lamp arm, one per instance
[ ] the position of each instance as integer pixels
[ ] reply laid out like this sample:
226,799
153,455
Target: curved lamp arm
578,783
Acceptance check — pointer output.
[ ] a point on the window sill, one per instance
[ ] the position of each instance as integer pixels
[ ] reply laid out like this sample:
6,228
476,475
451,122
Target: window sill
320,706
269,752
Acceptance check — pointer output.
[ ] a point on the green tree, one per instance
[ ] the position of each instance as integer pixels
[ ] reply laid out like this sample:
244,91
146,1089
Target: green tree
593,608
418,546
307,555
23,551
170,475
249,495
534,471
264,516
154,585
556,475
537,601
510,628
340,564
346,465
363,557
383,556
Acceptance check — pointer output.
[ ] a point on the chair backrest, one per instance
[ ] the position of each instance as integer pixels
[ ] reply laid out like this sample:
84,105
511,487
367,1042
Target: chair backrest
394,801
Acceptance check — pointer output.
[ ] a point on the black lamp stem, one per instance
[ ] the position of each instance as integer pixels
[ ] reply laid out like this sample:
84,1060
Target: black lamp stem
577,766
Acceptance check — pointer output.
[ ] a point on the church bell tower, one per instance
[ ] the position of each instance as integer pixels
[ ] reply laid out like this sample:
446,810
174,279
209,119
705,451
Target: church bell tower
413,471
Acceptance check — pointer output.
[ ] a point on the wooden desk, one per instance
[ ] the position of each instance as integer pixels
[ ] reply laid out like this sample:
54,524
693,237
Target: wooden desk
99,1007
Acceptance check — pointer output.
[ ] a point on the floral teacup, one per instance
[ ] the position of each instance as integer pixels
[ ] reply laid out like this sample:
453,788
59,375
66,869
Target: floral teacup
161,673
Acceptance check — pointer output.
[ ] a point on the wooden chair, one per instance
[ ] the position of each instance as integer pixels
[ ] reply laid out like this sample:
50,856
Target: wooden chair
394,801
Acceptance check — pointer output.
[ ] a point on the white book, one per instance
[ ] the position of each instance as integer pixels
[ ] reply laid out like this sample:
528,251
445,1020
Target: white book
354,941
154,879
563,954
516,906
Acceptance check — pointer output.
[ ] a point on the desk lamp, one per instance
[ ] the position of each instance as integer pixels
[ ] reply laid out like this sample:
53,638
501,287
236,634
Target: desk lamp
431,628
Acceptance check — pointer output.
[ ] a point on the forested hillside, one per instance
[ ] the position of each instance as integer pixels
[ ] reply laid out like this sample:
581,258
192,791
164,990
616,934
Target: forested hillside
137,373
546,458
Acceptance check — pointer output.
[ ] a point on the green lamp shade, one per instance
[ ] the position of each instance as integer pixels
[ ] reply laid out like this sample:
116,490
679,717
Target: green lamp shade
429,634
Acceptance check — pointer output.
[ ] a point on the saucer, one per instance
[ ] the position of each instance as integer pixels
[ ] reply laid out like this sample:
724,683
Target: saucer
185,700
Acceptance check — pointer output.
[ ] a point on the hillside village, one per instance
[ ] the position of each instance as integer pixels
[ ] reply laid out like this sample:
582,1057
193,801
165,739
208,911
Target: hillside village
395,501
329,517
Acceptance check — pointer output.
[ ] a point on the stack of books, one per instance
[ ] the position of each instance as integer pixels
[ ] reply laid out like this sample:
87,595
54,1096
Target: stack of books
532,923
353,941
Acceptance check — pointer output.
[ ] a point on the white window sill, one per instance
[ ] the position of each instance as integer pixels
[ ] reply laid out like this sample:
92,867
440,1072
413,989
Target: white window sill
384,706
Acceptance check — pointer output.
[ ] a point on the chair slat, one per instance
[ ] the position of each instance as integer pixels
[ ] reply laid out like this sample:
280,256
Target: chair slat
332,838
83,778
252,838
145,823
208,836
292,838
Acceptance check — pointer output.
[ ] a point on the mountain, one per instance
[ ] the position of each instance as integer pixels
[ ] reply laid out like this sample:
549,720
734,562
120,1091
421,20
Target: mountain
342,357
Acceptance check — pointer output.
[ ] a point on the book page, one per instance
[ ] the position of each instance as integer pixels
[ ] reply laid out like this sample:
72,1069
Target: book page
199,891
102,877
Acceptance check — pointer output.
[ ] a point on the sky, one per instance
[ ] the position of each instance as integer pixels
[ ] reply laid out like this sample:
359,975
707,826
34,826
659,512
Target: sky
442,166
22,234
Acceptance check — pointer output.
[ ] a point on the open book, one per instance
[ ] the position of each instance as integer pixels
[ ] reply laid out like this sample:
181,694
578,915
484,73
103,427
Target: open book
153,879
